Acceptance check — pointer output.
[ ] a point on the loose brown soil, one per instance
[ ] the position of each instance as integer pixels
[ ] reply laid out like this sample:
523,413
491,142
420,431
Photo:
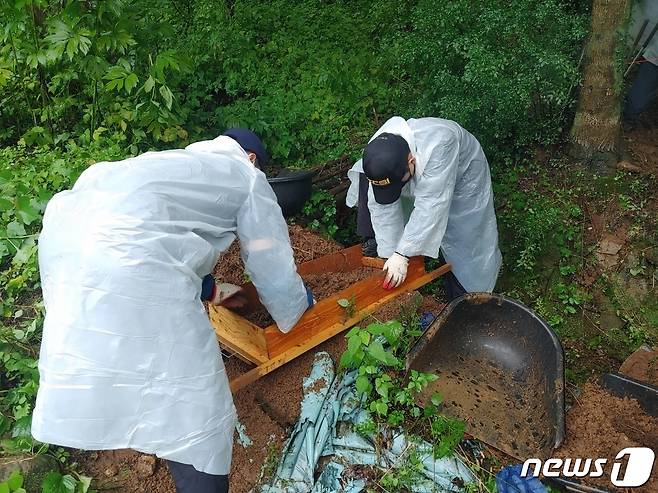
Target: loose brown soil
600,426
306,246
126,471
325,285
643,366
322,286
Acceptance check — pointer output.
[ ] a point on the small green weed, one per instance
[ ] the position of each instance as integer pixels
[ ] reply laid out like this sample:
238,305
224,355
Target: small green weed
56,482
14,484
348,305
406,473
271,460
377,353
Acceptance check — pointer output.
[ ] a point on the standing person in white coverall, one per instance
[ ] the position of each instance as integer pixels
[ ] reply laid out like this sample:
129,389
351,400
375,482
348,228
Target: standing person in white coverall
129,358
424,185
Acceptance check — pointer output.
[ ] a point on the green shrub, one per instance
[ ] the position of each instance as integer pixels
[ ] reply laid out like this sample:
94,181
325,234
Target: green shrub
502,71
313,78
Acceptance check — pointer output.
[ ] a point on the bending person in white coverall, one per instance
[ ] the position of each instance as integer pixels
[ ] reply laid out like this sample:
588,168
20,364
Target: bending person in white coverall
129,358
426,186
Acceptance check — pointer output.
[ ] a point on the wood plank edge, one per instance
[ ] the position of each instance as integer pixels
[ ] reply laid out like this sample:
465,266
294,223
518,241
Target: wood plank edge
292,353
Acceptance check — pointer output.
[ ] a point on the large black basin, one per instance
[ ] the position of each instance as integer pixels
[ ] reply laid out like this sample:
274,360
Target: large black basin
500,370
292,189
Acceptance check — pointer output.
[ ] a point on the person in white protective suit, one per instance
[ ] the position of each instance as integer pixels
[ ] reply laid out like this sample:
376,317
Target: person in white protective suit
129,358
424,186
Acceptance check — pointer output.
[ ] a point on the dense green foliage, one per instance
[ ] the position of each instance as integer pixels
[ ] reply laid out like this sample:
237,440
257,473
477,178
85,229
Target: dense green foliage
504,73
154,72
311,77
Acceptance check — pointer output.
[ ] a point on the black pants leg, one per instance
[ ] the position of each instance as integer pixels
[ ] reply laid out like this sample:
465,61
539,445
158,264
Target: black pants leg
363,221
642,91
189,480
453,287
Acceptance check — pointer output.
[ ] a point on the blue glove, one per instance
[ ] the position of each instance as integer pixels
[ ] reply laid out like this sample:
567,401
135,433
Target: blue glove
426,320
509,480
309,296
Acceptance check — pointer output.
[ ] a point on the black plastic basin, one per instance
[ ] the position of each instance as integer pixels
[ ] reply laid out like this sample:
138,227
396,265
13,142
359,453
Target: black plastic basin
292,189
500,369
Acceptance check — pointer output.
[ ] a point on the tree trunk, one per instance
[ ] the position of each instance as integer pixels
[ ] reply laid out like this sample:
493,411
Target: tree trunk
596,130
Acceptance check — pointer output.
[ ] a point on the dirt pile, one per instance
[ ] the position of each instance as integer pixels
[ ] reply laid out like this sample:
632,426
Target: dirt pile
600,425
127,471
306,246
642,365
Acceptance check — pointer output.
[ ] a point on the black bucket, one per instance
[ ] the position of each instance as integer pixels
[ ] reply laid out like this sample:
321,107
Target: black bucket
500,370
292,189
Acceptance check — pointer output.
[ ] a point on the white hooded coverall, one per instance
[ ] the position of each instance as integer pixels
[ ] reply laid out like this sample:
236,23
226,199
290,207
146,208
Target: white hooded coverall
447,205
128,357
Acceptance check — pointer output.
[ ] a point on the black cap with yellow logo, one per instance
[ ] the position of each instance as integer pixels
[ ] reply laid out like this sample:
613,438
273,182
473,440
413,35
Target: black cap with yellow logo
385,164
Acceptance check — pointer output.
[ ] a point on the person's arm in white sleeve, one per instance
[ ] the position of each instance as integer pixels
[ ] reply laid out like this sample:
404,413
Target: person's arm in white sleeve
433,197
387,222
268,257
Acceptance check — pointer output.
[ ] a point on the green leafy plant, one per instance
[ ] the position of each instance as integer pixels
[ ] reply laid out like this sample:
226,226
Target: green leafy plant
14,484
55,482
376,352
570,296
320,212
406,474
499,76
27,181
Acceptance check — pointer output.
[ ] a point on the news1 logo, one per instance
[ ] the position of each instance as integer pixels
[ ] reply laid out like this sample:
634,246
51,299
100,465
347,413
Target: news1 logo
639,463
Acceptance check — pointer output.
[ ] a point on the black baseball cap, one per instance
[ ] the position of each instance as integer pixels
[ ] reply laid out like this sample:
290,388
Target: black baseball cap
250,142
385,161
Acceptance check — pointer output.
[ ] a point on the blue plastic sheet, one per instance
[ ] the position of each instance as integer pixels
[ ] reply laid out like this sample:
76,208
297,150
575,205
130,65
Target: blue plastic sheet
330,409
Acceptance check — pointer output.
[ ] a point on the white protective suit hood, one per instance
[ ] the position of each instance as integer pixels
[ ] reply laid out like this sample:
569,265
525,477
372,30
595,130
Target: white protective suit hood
447,205
129,358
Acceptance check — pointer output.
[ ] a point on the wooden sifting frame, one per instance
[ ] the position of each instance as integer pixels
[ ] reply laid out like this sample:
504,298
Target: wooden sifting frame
268,348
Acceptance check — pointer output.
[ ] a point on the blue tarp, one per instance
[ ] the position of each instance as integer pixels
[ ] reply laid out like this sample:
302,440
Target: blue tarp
329,412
